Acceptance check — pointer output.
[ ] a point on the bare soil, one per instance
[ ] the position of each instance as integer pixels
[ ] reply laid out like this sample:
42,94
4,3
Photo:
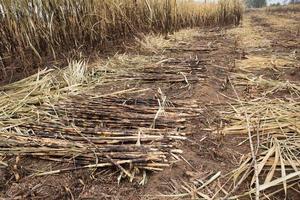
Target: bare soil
204,152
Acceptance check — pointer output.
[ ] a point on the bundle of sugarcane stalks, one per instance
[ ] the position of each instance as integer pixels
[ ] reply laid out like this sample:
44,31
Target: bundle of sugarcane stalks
56,115
101,132
140,150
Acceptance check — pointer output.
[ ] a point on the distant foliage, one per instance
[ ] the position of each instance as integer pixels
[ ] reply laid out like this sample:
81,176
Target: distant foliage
256,3
291,8
294,1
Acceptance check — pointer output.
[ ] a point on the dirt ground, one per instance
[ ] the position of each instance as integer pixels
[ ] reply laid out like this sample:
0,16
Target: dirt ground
263,41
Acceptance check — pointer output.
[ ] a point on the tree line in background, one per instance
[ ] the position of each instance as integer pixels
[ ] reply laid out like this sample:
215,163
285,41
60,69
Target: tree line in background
294,1
256,3
262,3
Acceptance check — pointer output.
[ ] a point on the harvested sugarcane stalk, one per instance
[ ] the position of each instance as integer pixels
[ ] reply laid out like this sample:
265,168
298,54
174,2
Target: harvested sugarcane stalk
202,49
113,131
55,115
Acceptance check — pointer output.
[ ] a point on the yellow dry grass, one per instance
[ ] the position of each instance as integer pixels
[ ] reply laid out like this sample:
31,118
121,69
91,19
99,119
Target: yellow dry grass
274,124
283,22
252,38
248,36
256,62
153,43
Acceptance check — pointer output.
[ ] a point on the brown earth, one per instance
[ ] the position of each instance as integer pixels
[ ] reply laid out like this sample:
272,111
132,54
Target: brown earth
253,44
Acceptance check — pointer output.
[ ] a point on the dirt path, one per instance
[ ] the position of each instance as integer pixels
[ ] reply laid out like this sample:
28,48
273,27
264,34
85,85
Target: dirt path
201,71
265,45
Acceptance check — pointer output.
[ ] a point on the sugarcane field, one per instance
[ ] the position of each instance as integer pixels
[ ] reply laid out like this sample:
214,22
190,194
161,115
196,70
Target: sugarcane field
150,99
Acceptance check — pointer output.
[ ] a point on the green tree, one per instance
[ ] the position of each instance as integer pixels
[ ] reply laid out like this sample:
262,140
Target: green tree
256,3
